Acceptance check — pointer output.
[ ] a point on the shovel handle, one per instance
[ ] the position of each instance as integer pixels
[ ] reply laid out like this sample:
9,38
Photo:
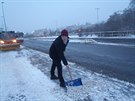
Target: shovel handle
69,72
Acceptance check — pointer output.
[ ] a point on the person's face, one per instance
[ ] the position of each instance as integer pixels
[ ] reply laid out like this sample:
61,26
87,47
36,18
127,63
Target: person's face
64,38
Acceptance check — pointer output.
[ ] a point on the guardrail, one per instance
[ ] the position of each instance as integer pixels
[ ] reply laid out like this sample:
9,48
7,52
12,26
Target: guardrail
109,33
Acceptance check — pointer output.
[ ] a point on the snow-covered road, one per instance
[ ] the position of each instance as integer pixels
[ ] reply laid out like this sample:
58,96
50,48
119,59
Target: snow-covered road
24,76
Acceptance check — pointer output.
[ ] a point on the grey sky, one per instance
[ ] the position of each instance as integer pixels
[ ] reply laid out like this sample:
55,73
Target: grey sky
29,15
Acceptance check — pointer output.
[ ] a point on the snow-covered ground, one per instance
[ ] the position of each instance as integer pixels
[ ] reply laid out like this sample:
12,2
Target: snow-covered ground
24,76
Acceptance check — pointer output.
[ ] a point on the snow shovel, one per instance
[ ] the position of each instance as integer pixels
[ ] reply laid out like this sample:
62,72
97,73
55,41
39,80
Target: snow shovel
75,82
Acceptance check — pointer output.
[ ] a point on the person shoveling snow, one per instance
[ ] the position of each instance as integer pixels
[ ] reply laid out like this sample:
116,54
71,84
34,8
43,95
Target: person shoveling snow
56,53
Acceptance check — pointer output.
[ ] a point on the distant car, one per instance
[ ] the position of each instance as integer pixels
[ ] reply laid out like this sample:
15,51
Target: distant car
12,41
8,42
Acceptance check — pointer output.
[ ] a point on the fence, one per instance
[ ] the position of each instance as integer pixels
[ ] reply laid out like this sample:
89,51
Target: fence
111,33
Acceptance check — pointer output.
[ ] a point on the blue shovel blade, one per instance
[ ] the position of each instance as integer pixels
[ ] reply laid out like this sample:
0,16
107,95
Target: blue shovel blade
76,82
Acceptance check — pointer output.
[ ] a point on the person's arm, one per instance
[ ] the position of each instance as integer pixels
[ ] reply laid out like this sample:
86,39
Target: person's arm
64,59
61,54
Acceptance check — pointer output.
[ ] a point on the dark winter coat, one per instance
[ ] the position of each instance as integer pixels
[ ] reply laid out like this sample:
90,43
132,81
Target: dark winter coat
57,49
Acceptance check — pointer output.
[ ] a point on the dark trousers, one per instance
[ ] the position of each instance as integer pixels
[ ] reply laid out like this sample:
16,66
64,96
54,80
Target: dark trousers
57,63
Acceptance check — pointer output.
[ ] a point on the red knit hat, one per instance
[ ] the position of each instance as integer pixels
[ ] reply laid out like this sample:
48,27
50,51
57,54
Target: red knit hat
64,32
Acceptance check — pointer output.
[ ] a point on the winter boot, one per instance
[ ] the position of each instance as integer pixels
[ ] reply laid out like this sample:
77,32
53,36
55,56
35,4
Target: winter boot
62,85
54,77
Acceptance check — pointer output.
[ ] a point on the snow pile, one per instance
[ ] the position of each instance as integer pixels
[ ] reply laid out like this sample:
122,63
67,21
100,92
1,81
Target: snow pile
116,44
83,40
24,76
131,36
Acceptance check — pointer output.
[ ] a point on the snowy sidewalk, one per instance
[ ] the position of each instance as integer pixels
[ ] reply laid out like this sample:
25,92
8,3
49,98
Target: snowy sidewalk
19,81
24,76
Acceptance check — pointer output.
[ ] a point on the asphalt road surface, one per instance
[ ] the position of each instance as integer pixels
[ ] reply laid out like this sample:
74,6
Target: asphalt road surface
114,61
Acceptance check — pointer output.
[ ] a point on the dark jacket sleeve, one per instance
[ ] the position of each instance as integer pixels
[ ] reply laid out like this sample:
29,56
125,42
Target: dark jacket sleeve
64,59
60,50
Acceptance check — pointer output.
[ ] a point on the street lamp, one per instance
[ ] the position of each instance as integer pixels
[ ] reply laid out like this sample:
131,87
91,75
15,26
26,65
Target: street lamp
1,27
3,16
